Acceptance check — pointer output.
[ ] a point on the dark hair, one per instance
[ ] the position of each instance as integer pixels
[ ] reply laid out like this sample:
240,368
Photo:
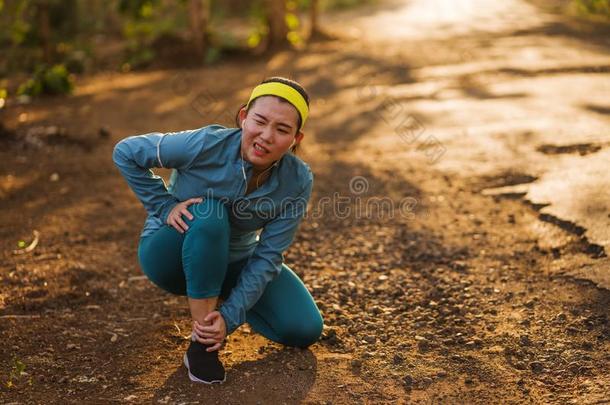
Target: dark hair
290,83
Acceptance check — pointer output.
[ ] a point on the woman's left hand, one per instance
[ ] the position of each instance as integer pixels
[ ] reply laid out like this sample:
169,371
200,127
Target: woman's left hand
214,333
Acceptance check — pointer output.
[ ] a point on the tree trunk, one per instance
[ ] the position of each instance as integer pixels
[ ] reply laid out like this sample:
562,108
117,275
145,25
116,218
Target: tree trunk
45,31
313,18
199,19
275,11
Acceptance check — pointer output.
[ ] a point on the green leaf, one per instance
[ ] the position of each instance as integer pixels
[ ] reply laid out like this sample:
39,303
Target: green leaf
292,21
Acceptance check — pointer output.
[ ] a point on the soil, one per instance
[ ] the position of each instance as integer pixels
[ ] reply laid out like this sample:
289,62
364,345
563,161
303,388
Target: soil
442,295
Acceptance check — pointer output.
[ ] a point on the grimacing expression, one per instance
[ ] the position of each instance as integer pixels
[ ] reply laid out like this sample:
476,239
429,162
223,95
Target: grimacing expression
270,128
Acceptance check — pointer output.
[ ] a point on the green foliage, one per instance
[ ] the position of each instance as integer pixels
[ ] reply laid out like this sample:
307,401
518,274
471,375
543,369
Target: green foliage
17,371
138,57
212,55
53,81
14,18
145,21
343,4
293,23
136,27
257,21
600,8
3,94
22,39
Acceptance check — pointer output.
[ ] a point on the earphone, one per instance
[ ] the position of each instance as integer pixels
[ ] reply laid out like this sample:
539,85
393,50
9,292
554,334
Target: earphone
243,170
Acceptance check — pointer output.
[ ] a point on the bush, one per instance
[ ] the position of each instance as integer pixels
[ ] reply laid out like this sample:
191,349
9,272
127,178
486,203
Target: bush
598,8
54,80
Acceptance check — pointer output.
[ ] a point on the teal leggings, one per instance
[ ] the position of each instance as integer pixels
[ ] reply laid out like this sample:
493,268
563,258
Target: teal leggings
195,264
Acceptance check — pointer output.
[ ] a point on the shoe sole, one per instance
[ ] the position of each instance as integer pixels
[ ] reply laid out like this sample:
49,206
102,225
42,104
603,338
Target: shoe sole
195,379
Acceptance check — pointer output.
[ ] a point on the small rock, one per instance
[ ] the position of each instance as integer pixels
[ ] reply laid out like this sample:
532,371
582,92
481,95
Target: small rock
423,345
357,363
329,334
496,350
407,380
470,344
370,339
536,367
525,340
398,359
448,341
104,132
561,317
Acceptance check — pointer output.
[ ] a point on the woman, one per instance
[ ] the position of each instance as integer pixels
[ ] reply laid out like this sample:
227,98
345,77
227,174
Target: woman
201,235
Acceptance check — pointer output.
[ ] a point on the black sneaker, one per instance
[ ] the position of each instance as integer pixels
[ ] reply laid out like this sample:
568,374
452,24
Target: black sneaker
203,366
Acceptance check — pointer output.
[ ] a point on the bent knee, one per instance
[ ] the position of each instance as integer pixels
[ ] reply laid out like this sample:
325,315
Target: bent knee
210,217
303,334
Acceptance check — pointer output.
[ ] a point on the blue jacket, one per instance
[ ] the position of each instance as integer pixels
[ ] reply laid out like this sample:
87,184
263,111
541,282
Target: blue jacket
206,162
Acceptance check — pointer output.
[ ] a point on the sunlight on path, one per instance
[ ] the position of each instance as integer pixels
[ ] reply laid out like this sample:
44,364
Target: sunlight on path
496,82
436,19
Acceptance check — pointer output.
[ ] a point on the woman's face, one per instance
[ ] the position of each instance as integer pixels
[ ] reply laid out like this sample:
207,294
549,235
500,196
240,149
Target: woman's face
269,130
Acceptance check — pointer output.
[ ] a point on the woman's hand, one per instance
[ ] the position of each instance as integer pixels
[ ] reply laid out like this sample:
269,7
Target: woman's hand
214,333
174,218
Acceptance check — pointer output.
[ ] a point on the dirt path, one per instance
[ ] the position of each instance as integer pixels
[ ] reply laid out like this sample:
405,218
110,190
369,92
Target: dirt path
438,293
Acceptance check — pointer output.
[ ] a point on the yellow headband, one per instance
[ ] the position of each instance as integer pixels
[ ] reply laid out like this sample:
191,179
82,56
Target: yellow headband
284,91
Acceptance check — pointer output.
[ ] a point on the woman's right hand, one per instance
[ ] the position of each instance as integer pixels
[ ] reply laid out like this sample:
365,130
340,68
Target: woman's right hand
174,218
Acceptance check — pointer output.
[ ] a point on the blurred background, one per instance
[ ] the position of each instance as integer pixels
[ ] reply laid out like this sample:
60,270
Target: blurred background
43,42
46,41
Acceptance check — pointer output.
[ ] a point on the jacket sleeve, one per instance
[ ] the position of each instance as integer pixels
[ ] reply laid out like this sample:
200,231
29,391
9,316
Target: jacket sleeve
266,260
134,156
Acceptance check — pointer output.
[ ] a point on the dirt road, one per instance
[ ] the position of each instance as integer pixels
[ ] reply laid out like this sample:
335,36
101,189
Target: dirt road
433,288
